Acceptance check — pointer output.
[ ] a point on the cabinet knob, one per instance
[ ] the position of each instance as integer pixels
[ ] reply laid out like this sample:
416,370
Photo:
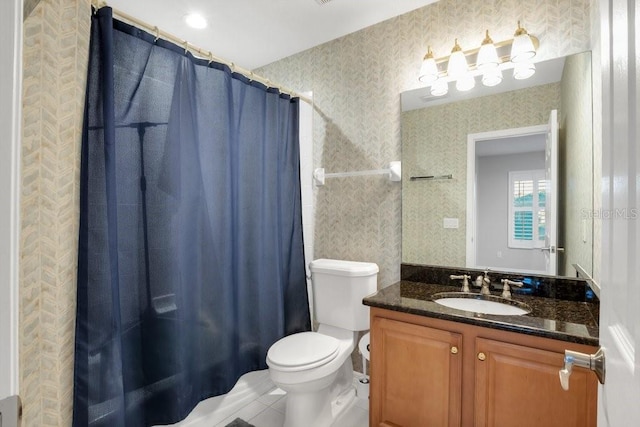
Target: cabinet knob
454,350
482,357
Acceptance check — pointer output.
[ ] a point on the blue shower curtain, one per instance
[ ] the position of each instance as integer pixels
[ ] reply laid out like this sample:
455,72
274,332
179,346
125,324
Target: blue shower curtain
190,253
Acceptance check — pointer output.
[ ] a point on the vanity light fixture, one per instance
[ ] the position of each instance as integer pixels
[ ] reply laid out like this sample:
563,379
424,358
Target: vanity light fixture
522,53
524,70
522,48
488,55
457,65
492,77
429,69
440,87
488,61
465,83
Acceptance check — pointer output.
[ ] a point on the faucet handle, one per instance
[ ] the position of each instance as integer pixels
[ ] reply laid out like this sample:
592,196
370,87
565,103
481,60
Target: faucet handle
465,281
506,287
485,277
513,282
482,282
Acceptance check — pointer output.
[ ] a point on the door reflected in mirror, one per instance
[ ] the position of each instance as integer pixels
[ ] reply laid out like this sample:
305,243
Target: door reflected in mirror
466,221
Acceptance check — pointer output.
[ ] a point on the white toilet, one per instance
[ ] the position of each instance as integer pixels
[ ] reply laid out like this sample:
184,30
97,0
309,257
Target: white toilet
315,368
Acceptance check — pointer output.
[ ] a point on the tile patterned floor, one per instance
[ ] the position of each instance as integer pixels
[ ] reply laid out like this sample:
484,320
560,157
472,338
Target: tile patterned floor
256,400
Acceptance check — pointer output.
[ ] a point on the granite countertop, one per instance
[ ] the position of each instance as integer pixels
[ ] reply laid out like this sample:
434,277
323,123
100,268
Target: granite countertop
561,319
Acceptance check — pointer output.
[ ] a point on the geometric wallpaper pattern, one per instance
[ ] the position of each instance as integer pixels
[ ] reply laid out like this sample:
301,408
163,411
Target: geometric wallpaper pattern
356,82
56,40
434,142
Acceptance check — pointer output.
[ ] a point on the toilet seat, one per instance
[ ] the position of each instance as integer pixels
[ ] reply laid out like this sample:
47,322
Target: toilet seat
304,350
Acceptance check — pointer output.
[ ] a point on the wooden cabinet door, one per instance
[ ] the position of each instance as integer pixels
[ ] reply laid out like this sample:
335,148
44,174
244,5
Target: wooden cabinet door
519,386
415,375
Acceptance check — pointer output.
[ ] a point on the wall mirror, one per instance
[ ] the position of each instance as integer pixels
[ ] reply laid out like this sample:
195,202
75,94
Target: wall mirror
474,189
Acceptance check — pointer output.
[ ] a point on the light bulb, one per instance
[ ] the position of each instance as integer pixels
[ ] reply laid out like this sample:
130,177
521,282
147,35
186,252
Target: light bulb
439,88
465,83
492,77
429,69
488,55
524,70
522,48
457,66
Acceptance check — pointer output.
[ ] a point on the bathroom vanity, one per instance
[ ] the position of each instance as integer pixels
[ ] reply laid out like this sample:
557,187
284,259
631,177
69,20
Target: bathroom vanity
436,366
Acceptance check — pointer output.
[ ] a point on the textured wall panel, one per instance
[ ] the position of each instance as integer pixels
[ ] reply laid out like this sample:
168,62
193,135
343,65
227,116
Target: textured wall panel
576,131
597,139
356,81
56,40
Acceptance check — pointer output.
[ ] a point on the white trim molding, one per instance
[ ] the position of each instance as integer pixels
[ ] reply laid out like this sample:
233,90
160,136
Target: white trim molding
10,125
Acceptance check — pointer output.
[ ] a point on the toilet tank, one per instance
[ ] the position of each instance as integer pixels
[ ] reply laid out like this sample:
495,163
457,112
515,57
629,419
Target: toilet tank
338,289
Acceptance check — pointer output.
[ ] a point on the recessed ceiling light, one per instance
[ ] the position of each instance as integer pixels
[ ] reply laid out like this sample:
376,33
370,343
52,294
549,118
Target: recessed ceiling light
195,20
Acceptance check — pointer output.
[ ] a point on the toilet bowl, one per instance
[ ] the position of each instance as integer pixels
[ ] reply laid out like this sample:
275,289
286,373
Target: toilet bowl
315,368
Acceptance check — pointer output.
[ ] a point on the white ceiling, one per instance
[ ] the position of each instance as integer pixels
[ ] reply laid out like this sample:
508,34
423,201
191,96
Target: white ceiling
253,33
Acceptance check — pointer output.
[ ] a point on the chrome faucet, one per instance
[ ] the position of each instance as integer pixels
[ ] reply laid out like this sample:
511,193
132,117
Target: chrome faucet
484,282
465,281
506,287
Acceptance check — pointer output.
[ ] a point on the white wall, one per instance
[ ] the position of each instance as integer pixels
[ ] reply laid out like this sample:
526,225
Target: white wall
10,105
492,209
306,178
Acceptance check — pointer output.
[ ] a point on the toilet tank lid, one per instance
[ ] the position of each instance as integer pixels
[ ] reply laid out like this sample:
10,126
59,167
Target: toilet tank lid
343,268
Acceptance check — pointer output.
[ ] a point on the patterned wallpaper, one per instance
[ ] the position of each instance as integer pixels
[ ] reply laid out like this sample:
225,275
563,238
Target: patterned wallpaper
56,41
434,142
356,81
576,141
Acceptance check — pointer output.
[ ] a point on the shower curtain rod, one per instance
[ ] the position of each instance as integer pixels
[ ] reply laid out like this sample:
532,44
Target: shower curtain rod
201,53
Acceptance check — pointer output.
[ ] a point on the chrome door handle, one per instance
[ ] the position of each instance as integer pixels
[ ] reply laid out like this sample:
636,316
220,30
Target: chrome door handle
594,362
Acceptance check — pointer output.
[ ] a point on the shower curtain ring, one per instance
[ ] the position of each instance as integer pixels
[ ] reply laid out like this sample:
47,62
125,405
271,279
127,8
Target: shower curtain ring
157,32
210,58
233,67
186,47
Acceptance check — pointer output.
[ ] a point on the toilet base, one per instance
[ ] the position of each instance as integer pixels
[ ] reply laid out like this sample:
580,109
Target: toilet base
315,409
309,409
323,403
343,402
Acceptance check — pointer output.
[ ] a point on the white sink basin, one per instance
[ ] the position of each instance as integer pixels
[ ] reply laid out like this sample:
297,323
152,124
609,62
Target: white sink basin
483,306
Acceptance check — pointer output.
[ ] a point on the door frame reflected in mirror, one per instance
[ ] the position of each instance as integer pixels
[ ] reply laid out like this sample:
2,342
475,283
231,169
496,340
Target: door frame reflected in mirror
472,196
